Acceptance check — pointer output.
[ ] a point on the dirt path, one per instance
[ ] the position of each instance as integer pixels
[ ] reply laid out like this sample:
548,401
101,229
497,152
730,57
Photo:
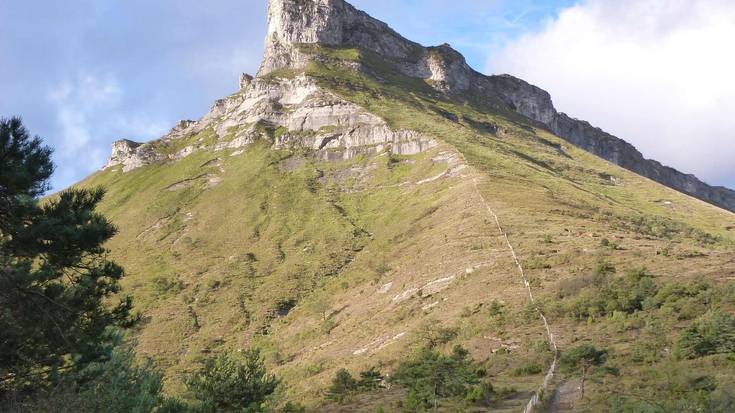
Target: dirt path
533,402
565,395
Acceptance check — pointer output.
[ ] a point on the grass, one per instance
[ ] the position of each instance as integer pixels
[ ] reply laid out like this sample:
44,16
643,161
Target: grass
325,265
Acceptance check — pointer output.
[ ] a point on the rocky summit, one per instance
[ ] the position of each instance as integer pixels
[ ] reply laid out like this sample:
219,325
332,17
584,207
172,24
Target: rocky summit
363,197
335,23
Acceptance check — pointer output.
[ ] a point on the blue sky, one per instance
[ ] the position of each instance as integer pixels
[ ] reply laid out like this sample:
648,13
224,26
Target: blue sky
83,73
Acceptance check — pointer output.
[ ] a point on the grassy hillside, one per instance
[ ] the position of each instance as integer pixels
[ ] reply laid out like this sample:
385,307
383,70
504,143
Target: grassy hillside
360,263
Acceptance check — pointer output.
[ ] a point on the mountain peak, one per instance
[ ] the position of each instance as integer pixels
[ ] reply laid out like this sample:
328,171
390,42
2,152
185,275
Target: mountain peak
329,23
336,23
295,24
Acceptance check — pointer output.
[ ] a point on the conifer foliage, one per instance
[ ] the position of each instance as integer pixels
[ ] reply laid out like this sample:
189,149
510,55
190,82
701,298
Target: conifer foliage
55,277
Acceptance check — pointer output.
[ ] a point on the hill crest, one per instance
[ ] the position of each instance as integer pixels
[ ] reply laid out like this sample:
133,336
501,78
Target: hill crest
336,23
335,215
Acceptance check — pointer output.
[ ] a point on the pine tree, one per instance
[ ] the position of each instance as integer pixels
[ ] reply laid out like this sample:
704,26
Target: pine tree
234,382
56,282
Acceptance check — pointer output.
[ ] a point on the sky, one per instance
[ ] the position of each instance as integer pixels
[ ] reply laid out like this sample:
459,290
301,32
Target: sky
657,73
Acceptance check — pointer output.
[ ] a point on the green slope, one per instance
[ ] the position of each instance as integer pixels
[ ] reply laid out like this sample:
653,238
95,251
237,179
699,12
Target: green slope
326,265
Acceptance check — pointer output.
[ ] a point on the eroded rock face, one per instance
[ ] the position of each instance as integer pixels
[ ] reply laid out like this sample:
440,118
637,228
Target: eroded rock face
336,23
536,104
288,112
297,110
131,155
245,80
325,22
301,113
448,69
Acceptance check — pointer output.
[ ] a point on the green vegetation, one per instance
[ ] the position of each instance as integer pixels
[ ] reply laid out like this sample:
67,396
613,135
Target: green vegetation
432,376
328,265
679,389
117,385
600,294
529,369
233,382
344,385
56,281
712,333
582,358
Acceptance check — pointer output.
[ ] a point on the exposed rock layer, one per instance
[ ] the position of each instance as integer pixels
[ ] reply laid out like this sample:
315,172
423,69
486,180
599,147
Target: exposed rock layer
305,114
287,112
337,23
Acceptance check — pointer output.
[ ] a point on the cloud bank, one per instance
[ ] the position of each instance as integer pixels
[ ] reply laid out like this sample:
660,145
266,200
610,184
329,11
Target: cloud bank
84,73
657,73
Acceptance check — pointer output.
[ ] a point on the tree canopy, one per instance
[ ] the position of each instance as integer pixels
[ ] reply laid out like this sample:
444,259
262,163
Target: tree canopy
55,277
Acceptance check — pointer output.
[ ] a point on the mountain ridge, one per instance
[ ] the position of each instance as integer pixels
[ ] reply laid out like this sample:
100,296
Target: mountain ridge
336,212
336,22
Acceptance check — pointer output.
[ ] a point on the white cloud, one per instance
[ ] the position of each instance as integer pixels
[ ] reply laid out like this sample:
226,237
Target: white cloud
658,73
88,115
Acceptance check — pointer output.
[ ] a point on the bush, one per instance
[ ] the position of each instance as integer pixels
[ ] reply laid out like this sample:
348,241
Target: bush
291,407
432,334
529,369
370,379
119,385
582,358
712,333
482,393
432,376
234,382
679,389
686,300
343,384
599,295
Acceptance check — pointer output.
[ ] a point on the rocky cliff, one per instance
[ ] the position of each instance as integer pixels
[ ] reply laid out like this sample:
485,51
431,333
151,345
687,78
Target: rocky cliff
299,108
536,104
337,23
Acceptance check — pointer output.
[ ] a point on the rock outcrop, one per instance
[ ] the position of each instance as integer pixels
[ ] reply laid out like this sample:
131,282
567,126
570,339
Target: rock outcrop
288,112
245,80
131,155
337,23
537,105
295,109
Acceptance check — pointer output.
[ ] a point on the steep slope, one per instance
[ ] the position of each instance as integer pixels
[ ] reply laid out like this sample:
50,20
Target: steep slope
336,23
337,211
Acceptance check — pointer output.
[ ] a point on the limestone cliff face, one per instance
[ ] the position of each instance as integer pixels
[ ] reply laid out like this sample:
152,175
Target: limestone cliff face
337,23
303,112
536,104
131,155
288,112
325,22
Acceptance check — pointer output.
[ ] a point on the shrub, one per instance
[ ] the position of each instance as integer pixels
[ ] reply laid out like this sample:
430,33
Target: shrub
432,376
343,384
292,407
600,295
433,334
481,393
496,309
582,358
529,369
234,382
393,161
118,385
712,333
686,300
604,267
370,379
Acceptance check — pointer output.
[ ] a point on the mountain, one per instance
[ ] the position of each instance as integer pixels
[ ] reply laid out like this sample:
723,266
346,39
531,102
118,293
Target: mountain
363,196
